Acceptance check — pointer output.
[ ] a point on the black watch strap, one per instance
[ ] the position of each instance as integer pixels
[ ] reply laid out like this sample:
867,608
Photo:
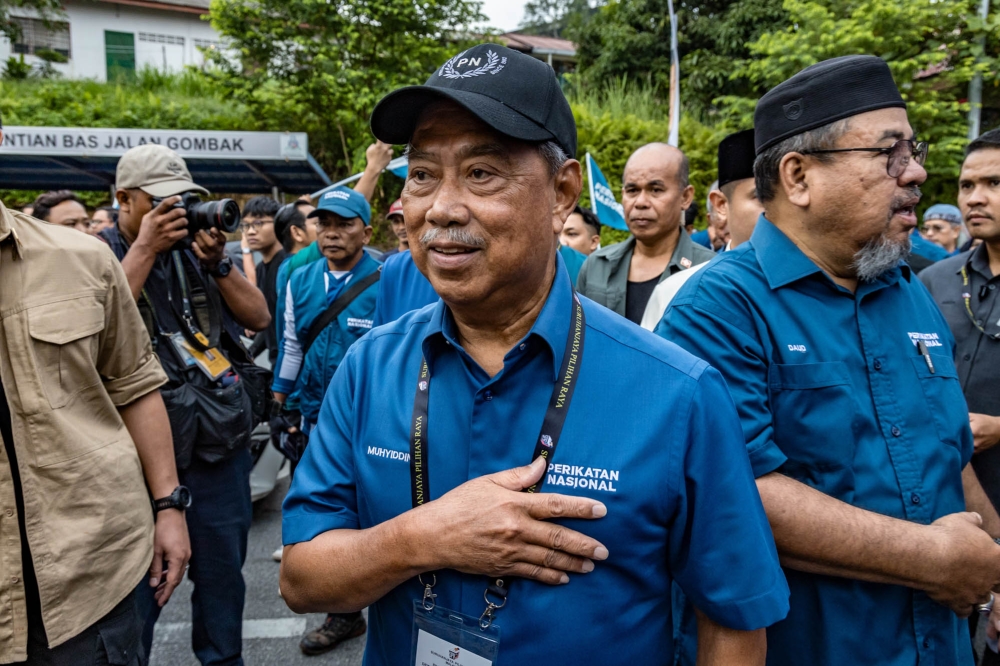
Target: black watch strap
179,499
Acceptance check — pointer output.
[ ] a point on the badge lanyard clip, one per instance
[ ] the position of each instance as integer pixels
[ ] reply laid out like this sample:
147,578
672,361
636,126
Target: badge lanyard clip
428,601
497,588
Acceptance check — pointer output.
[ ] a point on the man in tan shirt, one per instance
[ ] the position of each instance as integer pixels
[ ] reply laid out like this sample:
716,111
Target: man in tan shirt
82,424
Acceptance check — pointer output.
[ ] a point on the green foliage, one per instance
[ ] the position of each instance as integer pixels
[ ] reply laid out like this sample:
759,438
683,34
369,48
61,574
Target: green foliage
321,66
555,18
15,69
930,45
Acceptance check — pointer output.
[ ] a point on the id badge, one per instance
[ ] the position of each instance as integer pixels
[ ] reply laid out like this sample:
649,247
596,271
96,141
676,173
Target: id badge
211,361
443,637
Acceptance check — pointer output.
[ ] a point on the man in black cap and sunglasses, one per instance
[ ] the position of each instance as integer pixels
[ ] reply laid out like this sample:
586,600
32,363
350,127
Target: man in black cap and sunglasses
415,512
841,367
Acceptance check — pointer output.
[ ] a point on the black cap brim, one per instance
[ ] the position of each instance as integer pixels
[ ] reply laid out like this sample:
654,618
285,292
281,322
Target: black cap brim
395,117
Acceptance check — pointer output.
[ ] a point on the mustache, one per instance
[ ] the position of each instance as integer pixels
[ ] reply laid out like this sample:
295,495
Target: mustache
911,198
458,235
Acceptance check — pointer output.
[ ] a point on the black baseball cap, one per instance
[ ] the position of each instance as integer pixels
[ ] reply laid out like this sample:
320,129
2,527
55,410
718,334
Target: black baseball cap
515,94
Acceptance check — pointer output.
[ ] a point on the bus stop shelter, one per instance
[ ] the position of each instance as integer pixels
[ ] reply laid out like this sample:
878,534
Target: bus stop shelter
84,159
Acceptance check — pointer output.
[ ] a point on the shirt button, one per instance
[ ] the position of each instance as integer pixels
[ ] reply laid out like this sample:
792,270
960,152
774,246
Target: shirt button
967,357
13,579
927,643
992,287
10,513
896,432
878,364
915,498
522,346
488,395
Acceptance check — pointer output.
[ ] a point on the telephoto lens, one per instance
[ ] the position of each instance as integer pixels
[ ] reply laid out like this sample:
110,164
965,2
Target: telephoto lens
223,214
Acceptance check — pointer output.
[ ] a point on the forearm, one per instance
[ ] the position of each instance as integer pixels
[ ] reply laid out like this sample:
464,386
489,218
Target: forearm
367,182
147,422
250,269
720,646
816,533
343,571
976,500
137,264
245,301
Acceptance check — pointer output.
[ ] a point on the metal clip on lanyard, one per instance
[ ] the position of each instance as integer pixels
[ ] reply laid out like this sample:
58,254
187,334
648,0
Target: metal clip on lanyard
967,297
545,446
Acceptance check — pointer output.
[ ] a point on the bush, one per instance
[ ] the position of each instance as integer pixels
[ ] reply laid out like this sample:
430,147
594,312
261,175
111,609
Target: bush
15,69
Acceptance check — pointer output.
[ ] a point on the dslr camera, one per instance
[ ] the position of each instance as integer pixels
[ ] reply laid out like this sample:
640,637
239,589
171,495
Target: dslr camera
224,214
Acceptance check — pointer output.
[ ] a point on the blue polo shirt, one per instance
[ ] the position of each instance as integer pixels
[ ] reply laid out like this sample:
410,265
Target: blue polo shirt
401,289
832,392
674,513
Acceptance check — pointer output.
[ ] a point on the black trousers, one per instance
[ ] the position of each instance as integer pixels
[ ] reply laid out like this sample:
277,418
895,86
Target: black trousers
114,639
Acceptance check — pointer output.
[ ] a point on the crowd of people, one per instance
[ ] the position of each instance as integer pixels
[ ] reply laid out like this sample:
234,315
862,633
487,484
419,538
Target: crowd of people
795,462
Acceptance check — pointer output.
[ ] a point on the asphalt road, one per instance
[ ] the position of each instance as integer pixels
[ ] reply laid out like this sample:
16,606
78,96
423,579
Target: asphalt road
271,632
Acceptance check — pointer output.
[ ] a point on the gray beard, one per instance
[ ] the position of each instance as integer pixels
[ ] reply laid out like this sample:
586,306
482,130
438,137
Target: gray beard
879,256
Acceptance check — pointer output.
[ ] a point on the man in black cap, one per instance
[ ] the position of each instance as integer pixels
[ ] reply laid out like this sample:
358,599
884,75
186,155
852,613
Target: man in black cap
841,367
734,204
413,513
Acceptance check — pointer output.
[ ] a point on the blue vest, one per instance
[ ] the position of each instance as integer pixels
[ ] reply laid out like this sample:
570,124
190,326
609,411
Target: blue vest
324,357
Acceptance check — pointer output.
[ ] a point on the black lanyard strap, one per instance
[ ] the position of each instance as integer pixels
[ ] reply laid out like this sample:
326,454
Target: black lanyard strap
545,444
967,297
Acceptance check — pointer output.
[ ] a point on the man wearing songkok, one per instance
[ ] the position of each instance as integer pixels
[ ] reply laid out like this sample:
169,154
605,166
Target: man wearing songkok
417,512
841,367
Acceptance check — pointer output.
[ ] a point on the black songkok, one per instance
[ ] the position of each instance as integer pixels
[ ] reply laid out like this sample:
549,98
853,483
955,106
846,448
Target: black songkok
824,93
736,157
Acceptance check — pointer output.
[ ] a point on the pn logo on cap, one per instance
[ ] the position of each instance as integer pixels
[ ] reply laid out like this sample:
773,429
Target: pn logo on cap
793,110
175,168
491,65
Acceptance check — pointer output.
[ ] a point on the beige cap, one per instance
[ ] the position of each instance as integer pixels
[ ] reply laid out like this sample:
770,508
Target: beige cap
156,170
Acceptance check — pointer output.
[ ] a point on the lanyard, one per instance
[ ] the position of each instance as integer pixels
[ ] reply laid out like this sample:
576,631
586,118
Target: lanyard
967,297
545,444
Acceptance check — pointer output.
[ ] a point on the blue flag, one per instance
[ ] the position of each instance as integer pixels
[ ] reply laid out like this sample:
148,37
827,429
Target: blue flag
398,167
602,199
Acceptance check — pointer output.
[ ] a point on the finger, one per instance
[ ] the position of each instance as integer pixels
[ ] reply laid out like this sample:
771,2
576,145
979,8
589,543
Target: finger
557,537
167,203
549,558
520,478
198,252
205,240
543,506
156,568
539,573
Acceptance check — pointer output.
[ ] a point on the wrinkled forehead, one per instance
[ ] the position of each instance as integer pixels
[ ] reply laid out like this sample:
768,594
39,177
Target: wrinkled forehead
445,127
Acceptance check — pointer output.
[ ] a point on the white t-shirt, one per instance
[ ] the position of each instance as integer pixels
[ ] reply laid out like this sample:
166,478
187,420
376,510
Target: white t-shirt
665,292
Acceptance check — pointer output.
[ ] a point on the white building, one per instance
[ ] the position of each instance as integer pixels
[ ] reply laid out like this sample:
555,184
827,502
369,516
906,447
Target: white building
102,37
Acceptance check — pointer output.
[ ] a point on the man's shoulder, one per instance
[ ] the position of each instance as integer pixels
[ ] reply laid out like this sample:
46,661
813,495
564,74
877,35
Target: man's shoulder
58,242
729,272
636,347
946,268
701,254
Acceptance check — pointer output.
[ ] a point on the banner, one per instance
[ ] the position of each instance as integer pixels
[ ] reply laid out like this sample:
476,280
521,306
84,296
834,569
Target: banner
109,142
602,199
398,167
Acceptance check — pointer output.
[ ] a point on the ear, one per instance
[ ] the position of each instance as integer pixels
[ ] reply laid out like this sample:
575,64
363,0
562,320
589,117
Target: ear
792,172
687,196
298,234
720,204
124,201
595,242
568,183
368,233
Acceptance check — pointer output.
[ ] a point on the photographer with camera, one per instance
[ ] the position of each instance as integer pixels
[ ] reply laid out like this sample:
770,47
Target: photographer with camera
194,304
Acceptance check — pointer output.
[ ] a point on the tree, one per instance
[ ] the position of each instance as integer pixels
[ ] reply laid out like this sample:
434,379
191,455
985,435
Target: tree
632,38
45,9
555,18
930,46
321,66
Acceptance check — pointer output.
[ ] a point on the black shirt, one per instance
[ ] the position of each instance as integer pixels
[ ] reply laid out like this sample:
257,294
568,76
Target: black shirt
637,295
267,282
977,355
32,600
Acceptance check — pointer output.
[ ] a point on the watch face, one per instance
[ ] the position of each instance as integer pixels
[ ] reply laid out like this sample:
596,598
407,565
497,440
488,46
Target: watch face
184,497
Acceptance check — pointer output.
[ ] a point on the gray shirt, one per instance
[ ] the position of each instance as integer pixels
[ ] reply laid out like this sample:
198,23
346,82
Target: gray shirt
977,355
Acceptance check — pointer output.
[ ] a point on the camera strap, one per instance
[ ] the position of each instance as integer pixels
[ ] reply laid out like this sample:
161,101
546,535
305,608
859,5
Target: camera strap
196,313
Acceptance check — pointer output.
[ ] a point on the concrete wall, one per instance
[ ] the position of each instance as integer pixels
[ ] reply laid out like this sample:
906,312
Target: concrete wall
158,37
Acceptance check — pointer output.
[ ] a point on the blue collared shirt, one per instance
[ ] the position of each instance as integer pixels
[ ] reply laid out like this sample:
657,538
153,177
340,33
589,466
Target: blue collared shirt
402,288
832,392
674,513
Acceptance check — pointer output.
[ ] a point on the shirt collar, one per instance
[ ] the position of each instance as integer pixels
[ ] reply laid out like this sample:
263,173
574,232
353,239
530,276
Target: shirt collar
551,327
682,252
783,262
978,261
7,229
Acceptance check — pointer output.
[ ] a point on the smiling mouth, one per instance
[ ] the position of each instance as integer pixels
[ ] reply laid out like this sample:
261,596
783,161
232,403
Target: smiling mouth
454,250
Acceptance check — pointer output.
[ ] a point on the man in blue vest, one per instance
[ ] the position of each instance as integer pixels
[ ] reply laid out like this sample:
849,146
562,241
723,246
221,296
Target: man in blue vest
328,305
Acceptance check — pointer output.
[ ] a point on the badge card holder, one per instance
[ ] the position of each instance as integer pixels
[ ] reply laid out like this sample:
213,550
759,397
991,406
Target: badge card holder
210,361
443,637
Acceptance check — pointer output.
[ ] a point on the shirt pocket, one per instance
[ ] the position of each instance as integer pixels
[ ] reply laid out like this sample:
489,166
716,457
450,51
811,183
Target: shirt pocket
943,398
66,345
813,411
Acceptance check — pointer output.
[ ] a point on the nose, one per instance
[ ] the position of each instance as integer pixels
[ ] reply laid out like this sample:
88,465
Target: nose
976,197
913,175
448,205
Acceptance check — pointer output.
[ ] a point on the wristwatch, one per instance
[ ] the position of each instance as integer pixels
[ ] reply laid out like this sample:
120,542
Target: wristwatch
179,499
222,270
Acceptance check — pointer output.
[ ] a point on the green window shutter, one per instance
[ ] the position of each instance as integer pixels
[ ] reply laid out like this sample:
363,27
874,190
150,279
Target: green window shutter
119,47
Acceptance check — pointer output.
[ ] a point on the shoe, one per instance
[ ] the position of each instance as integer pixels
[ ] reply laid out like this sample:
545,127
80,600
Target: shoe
276,555
335,630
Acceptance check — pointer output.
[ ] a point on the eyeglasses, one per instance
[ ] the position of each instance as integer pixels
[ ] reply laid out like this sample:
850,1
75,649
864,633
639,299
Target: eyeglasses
256,225
899,154
937,228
